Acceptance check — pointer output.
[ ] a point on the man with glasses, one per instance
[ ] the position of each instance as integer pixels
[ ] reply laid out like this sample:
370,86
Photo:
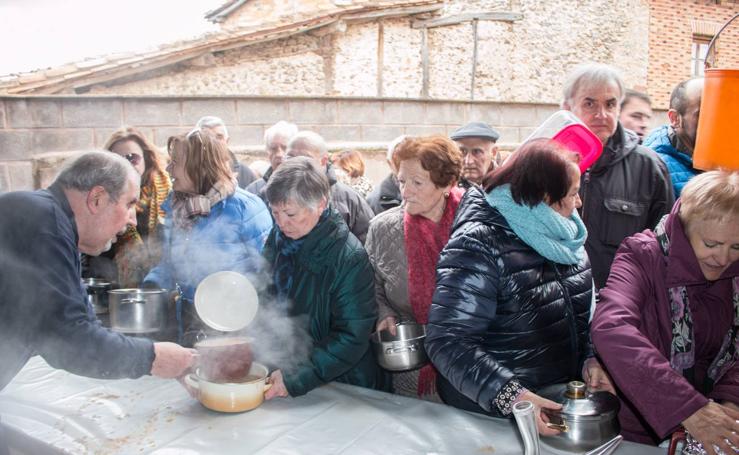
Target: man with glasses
215,126
476,141
627,190
674,143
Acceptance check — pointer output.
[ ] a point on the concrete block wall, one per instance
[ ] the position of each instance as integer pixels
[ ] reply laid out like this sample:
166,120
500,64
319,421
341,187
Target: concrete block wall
36,133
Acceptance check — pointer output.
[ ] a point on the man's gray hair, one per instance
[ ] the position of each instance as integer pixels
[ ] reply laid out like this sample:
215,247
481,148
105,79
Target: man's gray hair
281,128
211,121
589,75
300,180
310,140
92,169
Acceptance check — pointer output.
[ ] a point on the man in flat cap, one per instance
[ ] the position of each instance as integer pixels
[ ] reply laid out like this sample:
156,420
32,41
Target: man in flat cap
476,141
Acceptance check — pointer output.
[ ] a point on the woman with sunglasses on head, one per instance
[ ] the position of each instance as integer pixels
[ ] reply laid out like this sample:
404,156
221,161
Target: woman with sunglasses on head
138,249
211,224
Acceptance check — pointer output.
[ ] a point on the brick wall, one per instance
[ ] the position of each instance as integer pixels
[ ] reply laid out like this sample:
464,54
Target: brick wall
671,37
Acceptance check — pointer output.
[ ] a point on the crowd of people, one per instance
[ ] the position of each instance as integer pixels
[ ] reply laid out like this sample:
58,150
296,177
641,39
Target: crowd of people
526,272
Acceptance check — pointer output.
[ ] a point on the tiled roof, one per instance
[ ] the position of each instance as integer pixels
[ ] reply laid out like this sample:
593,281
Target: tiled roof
77,76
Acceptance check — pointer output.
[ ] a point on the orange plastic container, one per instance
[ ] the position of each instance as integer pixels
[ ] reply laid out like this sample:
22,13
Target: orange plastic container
717,140
716,143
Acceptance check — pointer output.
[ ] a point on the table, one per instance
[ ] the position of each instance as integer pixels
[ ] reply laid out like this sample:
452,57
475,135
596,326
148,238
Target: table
52,411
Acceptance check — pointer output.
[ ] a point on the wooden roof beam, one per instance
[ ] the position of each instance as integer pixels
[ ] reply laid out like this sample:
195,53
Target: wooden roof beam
501,16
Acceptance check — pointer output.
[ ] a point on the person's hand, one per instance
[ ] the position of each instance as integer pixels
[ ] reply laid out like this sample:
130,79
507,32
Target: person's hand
387,324
171,360
730,405
541,418
596,377
278,388
712,425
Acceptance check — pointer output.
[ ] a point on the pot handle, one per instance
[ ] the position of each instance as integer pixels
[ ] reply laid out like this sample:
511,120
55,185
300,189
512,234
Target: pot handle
192,382
559,426
140,301
409,348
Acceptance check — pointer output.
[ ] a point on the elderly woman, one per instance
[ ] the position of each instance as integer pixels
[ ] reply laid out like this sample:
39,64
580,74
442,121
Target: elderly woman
672,303
514,289
322,274
211,224
138,249
404,242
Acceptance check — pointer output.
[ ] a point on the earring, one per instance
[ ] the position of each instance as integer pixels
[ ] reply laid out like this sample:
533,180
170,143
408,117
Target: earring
446,194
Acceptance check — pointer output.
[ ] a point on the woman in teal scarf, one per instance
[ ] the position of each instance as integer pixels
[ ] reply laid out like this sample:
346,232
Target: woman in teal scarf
514,289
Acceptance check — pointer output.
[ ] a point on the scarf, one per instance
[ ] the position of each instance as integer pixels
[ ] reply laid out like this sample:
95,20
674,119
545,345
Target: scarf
553,236
284,266
186,207
682,348
134,254
424,240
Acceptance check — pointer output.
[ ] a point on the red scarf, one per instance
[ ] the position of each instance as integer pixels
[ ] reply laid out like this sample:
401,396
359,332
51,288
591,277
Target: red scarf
424,240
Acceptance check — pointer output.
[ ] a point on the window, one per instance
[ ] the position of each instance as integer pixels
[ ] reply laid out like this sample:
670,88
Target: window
698,56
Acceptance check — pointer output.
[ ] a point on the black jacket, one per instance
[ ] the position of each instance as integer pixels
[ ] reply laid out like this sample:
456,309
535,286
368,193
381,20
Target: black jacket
626,191
502,311
386,195
43,307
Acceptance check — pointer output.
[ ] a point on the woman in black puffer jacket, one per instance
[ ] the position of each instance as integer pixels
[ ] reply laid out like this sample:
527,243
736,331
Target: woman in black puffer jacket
514,289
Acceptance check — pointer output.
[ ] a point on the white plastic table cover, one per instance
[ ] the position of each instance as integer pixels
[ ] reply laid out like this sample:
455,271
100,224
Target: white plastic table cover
46,410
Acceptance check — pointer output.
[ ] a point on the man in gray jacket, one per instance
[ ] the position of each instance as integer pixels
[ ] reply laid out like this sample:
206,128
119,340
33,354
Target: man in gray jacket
352,207
628,189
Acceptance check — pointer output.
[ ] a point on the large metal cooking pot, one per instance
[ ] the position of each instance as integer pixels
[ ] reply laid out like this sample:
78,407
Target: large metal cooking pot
138,310
97,293
587,419
403,351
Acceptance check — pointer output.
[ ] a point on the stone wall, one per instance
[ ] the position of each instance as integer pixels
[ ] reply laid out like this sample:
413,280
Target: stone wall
522,61
671,38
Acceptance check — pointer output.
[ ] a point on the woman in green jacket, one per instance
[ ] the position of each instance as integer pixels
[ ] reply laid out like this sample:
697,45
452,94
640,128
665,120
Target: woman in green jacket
320,270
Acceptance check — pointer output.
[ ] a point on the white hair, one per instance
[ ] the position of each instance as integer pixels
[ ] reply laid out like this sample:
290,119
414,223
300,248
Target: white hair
588,75
310,140
210,122
281,128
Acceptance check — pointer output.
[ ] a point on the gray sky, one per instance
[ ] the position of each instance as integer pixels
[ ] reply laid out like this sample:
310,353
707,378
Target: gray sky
45,33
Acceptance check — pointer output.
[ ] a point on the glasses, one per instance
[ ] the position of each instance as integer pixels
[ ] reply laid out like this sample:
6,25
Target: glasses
133,158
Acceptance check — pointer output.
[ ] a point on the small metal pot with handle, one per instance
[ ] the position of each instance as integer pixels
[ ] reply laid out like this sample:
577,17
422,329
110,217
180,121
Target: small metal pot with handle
138,310
97,293
587,419
401,352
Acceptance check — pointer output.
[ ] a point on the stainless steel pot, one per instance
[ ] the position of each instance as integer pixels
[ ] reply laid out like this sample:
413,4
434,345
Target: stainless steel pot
138,310
401,352
97,293
587,419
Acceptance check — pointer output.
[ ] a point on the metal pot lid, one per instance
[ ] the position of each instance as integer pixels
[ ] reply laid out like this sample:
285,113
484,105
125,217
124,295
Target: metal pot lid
96,282
577,401
226,301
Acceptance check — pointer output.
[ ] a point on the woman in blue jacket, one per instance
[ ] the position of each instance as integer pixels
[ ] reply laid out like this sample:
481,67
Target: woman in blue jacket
211,225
